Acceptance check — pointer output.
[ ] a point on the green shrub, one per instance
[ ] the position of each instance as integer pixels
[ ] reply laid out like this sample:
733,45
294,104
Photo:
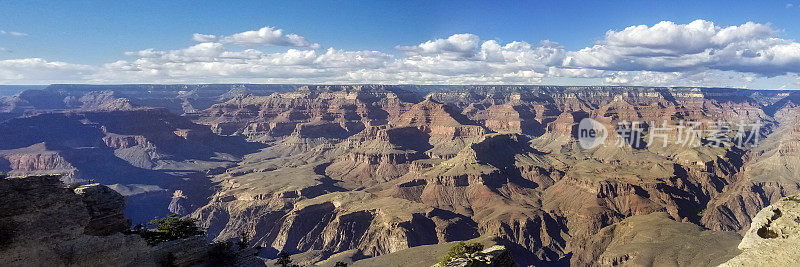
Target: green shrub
460,250
171,228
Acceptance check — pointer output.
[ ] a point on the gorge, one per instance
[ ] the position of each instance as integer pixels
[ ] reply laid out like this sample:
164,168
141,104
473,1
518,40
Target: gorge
362,173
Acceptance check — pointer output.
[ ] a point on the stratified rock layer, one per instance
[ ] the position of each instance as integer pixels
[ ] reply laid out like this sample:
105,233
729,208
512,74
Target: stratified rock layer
368,170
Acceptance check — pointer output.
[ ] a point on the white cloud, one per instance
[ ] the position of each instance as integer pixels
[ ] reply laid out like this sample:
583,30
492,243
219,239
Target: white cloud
488,62
701,78
573,73
699,45
665,54
669,38
789,5
204,38
37,71
464,58
213,62
265,36
460,45
13,33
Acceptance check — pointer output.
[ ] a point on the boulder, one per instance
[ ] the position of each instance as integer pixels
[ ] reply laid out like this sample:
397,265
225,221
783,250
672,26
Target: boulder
105,207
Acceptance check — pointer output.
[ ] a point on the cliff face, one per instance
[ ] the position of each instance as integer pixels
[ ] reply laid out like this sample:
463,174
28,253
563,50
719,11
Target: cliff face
46,224
36,160
309,112
148,150
503,158
770,172
105,207
773,236
179,98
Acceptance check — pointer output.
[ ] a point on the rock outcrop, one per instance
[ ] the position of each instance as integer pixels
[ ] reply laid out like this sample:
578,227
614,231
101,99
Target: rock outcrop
44,223
105,209
773,237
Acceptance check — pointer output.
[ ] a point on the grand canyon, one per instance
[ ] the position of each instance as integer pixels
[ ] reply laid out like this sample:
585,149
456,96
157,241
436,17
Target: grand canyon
385,175
441,133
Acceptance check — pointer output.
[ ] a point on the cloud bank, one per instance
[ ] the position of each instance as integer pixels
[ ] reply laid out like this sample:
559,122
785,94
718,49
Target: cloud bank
266,36
699,53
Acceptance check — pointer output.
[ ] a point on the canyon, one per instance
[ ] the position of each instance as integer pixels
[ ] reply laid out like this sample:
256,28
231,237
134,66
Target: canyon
363,173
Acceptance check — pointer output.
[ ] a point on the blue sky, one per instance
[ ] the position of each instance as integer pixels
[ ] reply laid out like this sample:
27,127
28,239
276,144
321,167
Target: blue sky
79,39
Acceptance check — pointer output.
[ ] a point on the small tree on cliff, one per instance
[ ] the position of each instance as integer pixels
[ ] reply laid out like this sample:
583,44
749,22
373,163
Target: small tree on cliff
176,227
460,250
171,228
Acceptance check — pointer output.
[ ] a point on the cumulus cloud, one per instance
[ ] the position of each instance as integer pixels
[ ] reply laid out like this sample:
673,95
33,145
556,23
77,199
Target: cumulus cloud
668,38
699,53
266,36
461,45
13,33
37,70
203,38
459,59
699,45
213,62
465,58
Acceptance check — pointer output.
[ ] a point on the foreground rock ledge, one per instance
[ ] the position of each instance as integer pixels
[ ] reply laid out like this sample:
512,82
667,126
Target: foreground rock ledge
43,223
773,238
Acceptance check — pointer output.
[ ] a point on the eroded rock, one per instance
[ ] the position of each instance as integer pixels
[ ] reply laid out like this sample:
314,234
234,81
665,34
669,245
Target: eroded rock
773,237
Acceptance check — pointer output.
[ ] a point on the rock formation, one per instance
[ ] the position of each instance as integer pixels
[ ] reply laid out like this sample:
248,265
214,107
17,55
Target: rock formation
773,237
105,208
44,223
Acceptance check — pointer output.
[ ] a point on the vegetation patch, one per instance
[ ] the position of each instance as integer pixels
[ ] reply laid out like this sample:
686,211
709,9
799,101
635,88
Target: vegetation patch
460,251
170,228
765,232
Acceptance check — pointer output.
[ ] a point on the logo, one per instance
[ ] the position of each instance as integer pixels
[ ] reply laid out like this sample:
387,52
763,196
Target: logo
591,133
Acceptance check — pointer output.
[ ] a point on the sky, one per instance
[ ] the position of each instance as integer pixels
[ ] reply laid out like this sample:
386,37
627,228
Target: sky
746,44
